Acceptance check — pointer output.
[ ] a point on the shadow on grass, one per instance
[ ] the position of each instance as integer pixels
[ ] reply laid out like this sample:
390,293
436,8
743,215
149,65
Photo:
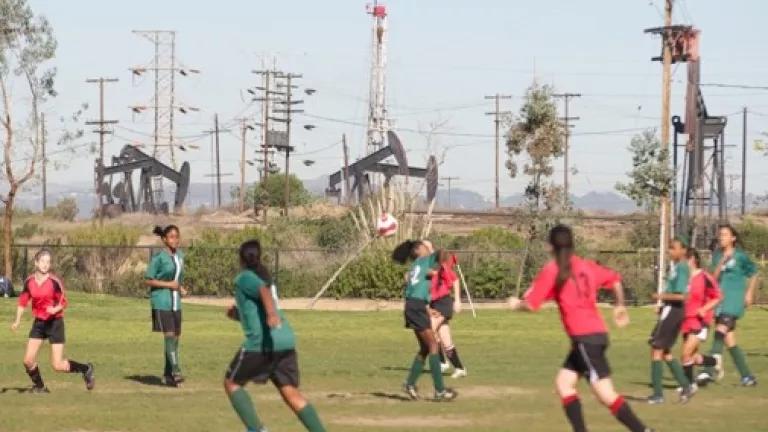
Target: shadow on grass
15,389
391,396
647,384
150,380
756,354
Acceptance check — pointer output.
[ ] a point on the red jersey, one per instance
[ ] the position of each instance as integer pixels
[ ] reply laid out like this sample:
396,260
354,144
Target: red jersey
702,289
49,293
443,283
577,297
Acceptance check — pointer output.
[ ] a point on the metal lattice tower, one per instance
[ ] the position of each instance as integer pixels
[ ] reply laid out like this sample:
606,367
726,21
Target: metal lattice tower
378,124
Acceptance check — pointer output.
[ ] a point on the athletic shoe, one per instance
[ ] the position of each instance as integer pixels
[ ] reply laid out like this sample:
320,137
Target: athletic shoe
459,373
39,390
655,400
170,381
446,395
703,379
719,371
694,386
179,378
411,391
261,429
445,367
749,381
90,381
687,393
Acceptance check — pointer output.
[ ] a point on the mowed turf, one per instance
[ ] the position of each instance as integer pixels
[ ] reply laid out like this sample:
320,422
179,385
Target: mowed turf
352,367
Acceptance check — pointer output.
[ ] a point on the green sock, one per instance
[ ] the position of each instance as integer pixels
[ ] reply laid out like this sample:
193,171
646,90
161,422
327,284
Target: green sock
717,348
310,419
437,373
740,360
678,373
657,373
416,367
243,406
176,365
170,355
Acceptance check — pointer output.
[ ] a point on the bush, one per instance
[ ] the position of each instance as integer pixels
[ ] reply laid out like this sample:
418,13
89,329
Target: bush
26,231
65,210
336,234
488,239
644,235
372,275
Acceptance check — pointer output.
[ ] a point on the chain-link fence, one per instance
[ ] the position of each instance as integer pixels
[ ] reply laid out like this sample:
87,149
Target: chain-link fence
302,272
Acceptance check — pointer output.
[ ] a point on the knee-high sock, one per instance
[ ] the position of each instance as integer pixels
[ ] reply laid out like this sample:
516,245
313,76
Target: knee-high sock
176,366
437,375
171,346
243,406
657,371
416,367
624,414
75,367
572,407
741,361
717,348
442,355
688,369
453,356
310,419
34,375
678,373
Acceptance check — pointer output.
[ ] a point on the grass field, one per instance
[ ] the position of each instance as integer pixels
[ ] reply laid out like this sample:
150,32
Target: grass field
352,367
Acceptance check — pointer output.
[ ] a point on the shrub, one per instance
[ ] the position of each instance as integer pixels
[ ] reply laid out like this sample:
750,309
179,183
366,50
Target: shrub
65,210
336,234
26,231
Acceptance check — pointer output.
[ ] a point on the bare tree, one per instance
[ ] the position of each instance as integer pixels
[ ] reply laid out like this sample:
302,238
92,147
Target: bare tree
26,45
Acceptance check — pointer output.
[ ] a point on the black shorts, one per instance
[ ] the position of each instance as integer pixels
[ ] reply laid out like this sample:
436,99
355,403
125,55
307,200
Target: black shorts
416,316
52,329
280,367
166,321
667,328
587,357
727,320
443,305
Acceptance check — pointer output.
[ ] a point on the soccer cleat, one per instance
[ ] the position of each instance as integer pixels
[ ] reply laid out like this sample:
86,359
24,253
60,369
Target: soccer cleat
444,367
170,381
179,378
703,379
694,387
655,400
459,373
90,381
749,381
411,391
719,371
687,393
446,395
39,390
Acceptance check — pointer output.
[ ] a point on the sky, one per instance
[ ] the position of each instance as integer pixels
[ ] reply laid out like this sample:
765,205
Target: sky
443,58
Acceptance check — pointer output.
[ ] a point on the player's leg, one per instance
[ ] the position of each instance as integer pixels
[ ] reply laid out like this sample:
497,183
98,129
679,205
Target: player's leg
176,366
657,374
446,339
747,379
607,395
437,320
241,370
303,409
721,330
688,356
417,366
565,384
428,340
61,364
686,390
31,365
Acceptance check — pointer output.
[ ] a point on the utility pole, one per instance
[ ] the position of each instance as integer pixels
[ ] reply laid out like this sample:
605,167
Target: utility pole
244,126
102,131
497,122
44,161
666,75
288,111
449,180
567,120
218,161
347,187
744,163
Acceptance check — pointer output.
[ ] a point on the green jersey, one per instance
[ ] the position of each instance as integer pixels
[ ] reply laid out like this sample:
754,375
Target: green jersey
418,284
677,279
733,281
166,267
253,317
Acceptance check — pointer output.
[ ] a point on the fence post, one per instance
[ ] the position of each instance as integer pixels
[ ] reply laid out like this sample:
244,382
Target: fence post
277,265
25,263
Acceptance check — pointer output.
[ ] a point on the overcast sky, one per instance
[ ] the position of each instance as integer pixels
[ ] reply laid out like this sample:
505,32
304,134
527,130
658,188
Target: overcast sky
444,56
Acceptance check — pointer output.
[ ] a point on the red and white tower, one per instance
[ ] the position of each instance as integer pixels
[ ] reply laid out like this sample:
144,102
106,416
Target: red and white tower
378,124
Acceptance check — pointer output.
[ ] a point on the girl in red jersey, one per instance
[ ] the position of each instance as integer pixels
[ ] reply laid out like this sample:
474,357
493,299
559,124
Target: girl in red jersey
703,296
573,282
442,307
46,291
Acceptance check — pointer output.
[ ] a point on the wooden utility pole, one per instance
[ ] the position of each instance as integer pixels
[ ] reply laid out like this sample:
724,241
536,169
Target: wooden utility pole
218,161
744,163
243,127
497,123
44,136
346,170
449,180
102,131
664,232
567,122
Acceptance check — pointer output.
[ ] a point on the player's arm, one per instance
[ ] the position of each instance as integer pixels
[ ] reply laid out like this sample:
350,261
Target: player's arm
273,319
151,280
542,289
233,313
23,301
750,270
59,300
718,267
610,279
669,297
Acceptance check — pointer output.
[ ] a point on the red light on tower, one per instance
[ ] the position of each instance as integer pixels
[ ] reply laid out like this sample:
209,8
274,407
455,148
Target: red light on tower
380,11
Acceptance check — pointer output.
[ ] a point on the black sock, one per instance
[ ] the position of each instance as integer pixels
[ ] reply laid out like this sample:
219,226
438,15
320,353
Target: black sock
34,375
453,356
572,407
708,361
442,355
688,369
75,367
624,414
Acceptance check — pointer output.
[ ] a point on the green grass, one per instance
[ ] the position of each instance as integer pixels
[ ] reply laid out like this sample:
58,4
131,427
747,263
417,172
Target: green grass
352,367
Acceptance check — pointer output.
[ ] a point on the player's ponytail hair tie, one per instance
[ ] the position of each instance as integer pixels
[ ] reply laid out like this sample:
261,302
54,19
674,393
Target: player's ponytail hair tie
163,232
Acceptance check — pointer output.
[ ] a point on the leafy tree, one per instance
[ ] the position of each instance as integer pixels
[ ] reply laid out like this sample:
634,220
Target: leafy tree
651,176
271,191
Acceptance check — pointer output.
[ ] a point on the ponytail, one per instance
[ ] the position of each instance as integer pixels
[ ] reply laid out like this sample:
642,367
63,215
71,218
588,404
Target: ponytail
163,232
692,253
561,240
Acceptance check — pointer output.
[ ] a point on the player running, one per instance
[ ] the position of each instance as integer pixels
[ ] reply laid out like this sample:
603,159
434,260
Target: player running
46,292
269,349
737,276
417,298
572,282
703,296
164,276
442,307
667,329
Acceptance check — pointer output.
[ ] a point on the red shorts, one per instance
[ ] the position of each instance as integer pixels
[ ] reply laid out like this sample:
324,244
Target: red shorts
692,325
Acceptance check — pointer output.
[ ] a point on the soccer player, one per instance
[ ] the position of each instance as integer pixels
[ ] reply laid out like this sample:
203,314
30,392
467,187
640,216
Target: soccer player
573,282
46,292
703,296
417,297
164,276
737,276
269,349
442,307
667,328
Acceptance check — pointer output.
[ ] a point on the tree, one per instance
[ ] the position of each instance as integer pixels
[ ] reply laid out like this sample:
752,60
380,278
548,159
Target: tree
537,134
271,192
651,177
26,45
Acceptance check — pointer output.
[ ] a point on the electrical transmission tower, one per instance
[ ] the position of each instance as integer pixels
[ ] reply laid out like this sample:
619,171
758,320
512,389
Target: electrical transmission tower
378,123
497,116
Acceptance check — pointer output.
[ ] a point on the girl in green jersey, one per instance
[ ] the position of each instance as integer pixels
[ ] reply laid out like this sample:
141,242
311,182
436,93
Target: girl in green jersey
737,276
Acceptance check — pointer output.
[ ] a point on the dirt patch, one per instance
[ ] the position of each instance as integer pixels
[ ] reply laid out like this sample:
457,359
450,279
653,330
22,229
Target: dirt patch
341,305
488,392
404,421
